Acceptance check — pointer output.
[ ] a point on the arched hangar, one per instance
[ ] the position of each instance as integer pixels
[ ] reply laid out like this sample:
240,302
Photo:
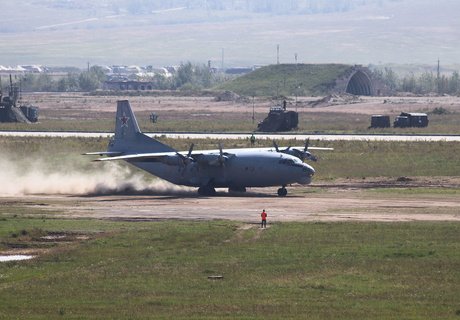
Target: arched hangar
359,81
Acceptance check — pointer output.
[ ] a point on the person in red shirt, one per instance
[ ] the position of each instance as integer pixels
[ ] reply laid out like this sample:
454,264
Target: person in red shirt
264,219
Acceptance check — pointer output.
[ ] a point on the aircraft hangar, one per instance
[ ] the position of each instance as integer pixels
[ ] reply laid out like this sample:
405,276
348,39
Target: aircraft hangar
360,81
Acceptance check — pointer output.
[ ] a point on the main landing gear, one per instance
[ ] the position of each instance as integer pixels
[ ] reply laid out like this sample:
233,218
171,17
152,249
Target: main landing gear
206,191
282,192
237,189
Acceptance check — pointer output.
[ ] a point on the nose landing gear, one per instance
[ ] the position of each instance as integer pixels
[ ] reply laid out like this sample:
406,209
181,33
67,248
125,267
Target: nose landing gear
282,192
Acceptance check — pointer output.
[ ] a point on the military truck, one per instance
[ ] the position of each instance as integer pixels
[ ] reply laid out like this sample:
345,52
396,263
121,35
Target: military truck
380,121
411,119
279,119
10,112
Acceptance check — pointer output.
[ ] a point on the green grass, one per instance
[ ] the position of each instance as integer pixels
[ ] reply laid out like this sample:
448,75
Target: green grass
292,270
240,120
282,79
432,191
389,159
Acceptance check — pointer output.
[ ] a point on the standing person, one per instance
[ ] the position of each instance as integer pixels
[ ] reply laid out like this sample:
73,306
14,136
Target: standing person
263,215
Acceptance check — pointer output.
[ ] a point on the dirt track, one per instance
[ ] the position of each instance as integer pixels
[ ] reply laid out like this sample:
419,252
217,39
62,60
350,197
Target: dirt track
367,105
323,204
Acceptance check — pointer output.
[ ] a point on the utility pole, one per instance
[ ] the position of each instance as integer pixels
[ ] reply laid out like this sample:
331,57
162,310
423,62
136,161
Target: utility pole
277,54
222,65
296,82
438,78
253,113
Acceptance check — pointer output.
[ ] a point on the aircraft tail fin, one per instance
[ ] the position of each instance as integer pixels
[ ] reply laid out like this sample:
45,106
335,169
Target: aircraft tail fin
128,138
126,126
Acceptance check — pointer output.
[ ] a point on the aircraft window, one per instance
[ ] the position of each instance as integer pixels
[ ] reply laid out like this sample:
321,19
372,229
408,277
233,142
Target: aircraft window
288,162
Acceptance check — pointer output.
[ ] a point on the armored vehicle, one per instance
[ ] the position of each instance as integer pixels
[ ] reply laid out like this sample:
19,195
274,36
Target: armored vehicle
279,119
10,112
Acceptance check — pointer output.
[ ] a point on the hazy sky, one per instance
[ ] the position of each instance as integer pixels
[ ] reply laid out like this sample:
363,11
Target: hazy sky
246,31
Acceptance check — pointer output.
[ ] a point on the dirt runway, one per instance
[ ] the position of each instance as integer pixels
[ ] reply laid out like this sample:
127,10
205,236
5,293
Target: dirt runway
334,204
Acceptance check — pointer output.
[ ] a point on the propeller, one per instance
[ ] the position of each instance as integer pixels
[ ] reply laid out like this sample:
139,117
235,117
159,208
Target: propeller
301,154
221,156
307,143
186,159
306,154
189,154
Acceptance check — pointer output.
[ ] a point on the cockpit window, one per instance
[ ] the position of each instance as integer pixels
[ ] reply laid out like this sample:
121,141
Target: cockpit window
288,162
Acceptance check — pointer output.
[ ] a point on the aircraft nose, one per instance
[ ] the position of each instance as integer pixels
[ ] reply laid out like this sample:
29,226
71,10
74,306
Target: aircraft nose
308,170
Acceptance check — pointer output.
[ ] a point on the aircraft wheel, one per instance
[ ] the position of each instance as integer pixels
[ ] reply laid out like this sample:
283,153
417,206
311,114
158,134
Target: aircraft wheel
237,189
206,191
282,192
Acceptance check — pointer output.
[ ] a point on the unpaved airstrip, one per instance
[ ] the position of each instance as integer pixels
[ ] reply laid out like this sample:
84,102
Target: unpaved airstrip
420,199
383,201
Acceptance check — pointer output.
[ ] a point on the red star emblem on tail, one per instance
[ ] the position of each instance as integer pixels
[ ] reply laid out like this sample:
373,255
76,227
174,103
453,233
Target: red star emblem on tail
124,120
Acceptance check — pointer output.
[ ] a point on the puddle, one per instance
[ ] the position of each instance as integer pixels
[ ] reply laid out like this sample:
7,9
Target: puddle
52,237
16,257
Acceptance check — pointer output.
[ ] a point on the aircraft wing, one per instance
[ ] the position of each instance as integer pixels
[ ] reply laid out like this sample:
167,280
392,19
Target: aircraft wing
139,156
204,157
103,153
301,147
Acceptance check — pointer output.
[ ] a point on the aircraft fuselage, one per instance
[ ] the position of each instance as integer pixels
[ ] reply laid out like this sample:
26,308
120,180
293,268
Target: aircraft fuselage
242,168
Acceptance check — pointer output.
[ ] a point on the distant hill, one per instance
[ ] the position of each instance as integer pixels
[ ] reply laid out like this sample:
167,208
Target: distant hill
75,14
167,32
283,79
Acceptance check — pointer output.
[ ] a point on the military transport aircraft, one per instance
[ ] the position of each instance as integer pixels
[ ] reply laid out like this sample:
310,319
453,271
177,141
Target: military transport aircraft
235,169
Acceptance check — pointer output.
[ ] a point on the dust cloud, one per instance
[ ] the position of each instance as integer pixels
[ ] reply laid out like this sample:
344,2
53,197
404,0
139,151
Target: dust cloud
36,177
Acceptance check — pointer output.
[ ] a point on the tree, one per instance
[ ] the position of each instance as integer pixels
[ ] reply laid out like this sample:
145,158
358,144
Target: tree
409,83
92,79
69,83
426,83
161,82
88,81
454,83
98,72
44,82
203,76
184,75
391,78
193,76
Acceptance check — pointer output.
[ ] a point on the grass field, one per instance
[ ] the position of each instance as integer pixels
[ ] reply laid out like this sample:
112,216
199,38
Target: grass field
160,269
235,119
291,270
